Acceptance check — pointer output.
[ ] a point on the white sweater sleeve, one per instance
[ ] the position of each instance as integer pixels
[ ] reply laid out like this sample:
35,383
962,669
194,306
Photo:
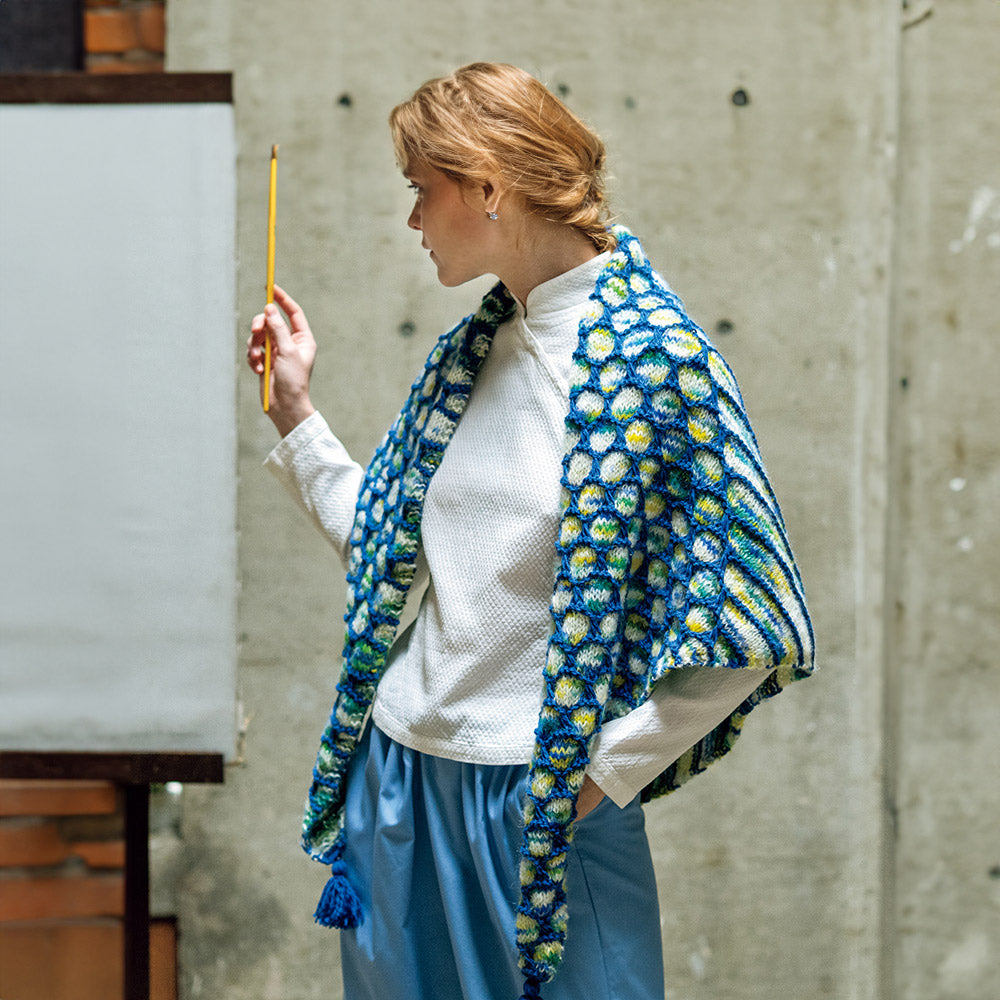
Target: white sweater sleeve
685,705
321,476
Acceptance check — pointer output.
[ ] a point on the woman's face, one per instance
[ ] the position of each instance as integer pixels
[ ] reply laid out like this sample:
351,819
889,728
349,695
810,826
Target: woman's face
456,229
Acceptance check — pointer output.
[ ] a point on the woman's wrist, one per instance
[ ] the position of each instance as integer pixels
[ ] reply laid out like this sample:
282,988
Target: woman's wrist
287,419
589,798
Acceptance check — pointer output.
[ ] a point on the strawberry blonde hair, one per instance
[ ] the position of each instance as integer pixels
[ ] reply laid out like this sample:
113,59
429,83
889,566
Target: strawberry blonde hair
491,119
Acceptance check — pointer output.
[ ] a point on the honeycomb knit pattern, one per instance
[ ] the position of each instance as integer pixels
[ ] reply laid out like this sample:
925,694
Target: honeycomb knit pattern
671,552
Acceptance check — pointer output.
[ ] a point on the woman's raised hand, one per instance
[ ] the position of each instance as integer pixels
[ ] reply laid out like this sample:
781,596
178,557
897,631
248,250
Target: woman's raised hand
293,352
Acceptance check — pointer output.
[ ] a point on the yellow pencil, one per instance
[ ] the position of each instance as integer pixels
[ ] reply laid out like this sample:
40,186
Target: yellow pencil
272,207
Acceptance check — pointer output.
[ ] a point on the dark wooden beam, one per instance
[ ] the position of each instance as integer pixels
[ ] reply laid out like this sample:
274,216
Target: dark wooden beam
116,88
121,768
135,925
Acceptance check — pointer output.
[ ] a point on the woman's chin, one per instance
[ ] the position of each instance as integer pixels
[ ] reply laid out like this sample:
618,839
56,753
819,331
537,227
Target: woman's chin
447,278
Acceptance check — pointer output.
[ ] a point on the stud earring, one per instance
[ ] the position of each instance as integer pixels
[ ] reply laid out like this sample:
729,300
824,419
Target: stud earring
493,216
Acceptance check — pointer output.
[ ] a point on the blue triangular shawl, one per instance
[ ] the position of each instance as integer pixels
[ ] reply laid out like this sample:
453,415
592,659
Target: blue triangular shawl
672,552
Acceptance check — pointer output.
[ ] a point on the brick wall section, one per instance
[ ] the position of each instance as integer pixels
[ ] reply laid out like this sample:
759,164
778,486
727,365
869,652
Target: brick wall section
62,895
124,36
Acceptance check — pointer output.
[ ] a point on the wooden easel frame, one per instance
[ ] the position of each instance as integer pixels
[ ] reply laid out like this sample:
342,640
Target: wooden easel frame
133,773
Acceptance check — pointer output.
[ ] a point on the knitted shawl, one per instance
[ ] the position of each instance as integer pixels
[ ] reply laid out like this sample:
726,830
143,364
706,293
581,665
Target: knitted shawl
671,552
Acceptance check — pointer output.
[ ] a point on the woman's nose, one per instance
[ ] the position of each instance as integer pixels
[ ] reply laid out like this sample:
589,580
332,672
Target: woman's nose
414,220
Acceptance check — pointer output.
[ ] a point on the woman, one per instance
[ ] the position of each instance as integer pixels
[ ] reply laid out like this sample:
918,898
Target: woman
568,578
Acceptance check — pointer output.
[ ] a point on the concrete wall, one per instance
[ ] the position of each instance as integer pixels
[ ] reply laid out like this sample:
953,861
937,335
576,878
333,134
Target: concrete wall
942,666
841,220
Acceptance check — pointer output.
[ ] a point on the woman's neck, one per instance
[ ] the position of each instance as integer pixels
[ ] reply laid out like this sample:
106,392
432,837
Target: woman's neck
542,251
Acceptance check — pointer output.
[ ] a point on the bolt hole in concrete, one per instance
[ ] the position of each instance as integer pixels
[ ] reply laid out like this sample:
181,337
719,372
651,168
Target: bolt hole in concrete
740,97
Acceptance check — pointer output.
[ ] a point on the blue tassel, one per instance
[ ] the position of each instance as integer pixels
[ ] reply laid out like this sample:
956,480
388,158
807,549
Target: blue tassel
339,905
532,989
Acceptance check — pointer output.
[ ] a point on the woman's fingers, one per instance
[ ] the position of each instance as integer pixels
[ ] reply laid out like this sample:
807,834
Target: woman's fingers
293,351
278,329
291,340
292,309
301,333
255,344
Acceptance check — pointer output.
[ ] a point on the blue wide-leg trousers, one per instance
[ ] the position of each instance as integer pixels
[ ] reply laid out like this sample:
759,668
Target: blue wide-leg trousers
433,851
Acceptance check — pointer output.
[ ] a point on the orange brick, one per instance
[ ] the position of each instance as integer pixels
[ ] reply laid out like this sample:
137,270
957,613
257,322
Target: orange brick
35,844
123,66
57,798
101,854
108,30
80,961
151,25
162,960
31,845
51,898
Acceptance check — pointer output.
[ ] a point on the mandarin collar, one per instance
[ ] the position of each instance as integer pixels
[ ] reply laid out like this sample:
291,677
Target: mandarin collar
564,291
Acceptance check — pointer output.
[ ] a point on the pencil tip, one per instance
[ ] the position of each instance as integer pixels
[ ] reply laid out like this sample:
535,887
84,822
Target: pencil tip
274,151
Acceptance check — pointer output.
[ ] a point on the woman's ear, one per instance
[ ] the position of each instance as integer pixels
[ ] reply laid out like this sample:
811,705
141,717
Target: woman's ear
492,192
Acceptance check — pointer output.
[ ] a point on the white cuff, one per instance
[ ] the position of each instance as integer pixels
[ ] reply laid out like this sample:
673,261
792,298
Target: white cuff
684,706
321,476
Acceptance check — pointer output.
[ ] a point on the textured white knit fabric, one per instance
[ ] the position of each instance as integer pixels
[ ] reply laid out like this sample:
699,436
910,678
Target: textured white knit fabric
466,682
464,679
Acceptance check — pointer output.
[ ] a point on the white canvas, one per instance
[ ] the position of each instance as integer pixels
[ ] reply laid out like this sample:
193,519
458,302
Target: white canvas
117,414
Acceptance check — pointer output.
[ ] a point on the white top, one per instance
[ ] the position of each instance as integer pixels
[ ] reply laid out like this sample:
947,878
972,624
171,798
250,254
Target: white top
464,678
